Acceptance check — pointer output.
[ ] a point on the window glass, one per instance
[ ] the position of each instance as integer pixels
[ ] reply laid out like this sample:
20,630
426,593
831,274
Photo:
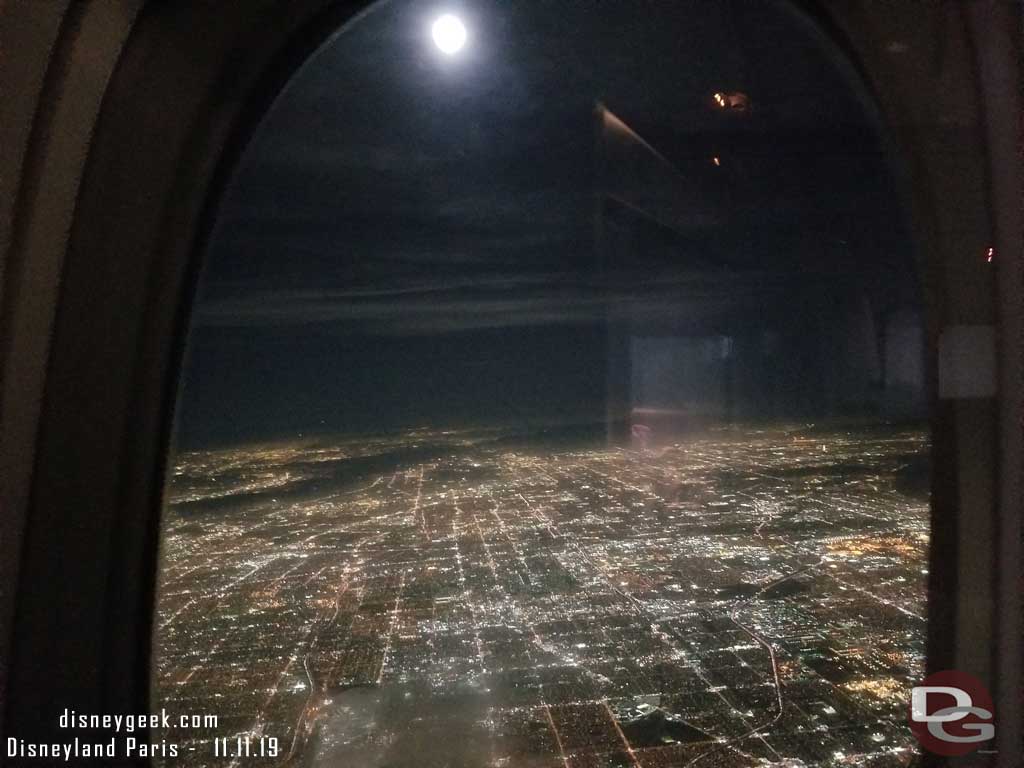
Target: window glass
554,397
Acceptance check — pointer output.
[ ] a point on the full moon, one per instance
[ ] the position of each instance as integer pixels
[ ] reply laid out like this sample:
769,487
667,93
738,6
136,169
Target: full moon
449,34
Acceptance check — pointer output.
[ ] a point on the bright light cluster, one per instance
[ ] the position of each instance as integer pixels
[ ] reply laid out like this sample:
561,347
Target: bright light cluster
449,34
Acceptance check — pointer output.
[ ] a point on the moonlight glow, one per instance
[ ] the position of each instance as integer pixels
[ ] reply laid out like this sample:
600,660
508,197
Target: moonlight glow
449,34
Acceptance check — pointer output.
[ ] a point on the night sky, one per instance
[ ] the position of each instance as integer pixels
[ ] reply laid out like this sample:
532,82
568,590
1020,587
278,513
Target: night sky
410,241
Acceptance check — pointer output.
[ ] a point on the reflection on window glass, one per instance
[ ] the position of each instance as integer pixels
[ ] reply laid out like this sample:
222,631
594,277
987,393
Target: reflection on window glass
554,398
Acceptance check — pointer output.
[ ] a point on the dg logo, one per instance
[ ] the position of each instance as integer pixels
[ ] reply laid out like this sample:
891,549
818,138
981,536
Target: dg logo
951,713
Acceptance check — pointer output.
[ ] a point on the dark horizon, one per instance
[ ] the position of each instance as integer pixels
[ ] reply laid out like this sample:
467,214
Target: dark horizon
411,239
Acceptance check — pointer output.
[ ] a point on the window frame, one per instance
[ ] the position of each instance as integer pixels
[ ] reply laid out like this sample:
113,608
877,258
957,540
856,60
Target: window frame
95,316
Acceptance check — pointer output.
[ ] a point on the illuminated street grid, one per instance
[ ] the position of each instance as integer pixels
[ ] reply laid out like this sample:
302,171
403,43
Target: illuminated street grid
744,599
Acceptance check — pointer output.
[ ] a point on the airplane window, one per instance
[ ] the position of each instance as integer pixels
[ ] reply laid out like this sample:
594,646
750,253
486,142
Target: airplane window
554,397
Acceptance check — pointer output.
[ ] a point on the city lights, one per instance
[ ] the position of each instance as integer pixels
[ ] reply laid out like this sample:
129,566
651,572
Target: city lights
605,599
